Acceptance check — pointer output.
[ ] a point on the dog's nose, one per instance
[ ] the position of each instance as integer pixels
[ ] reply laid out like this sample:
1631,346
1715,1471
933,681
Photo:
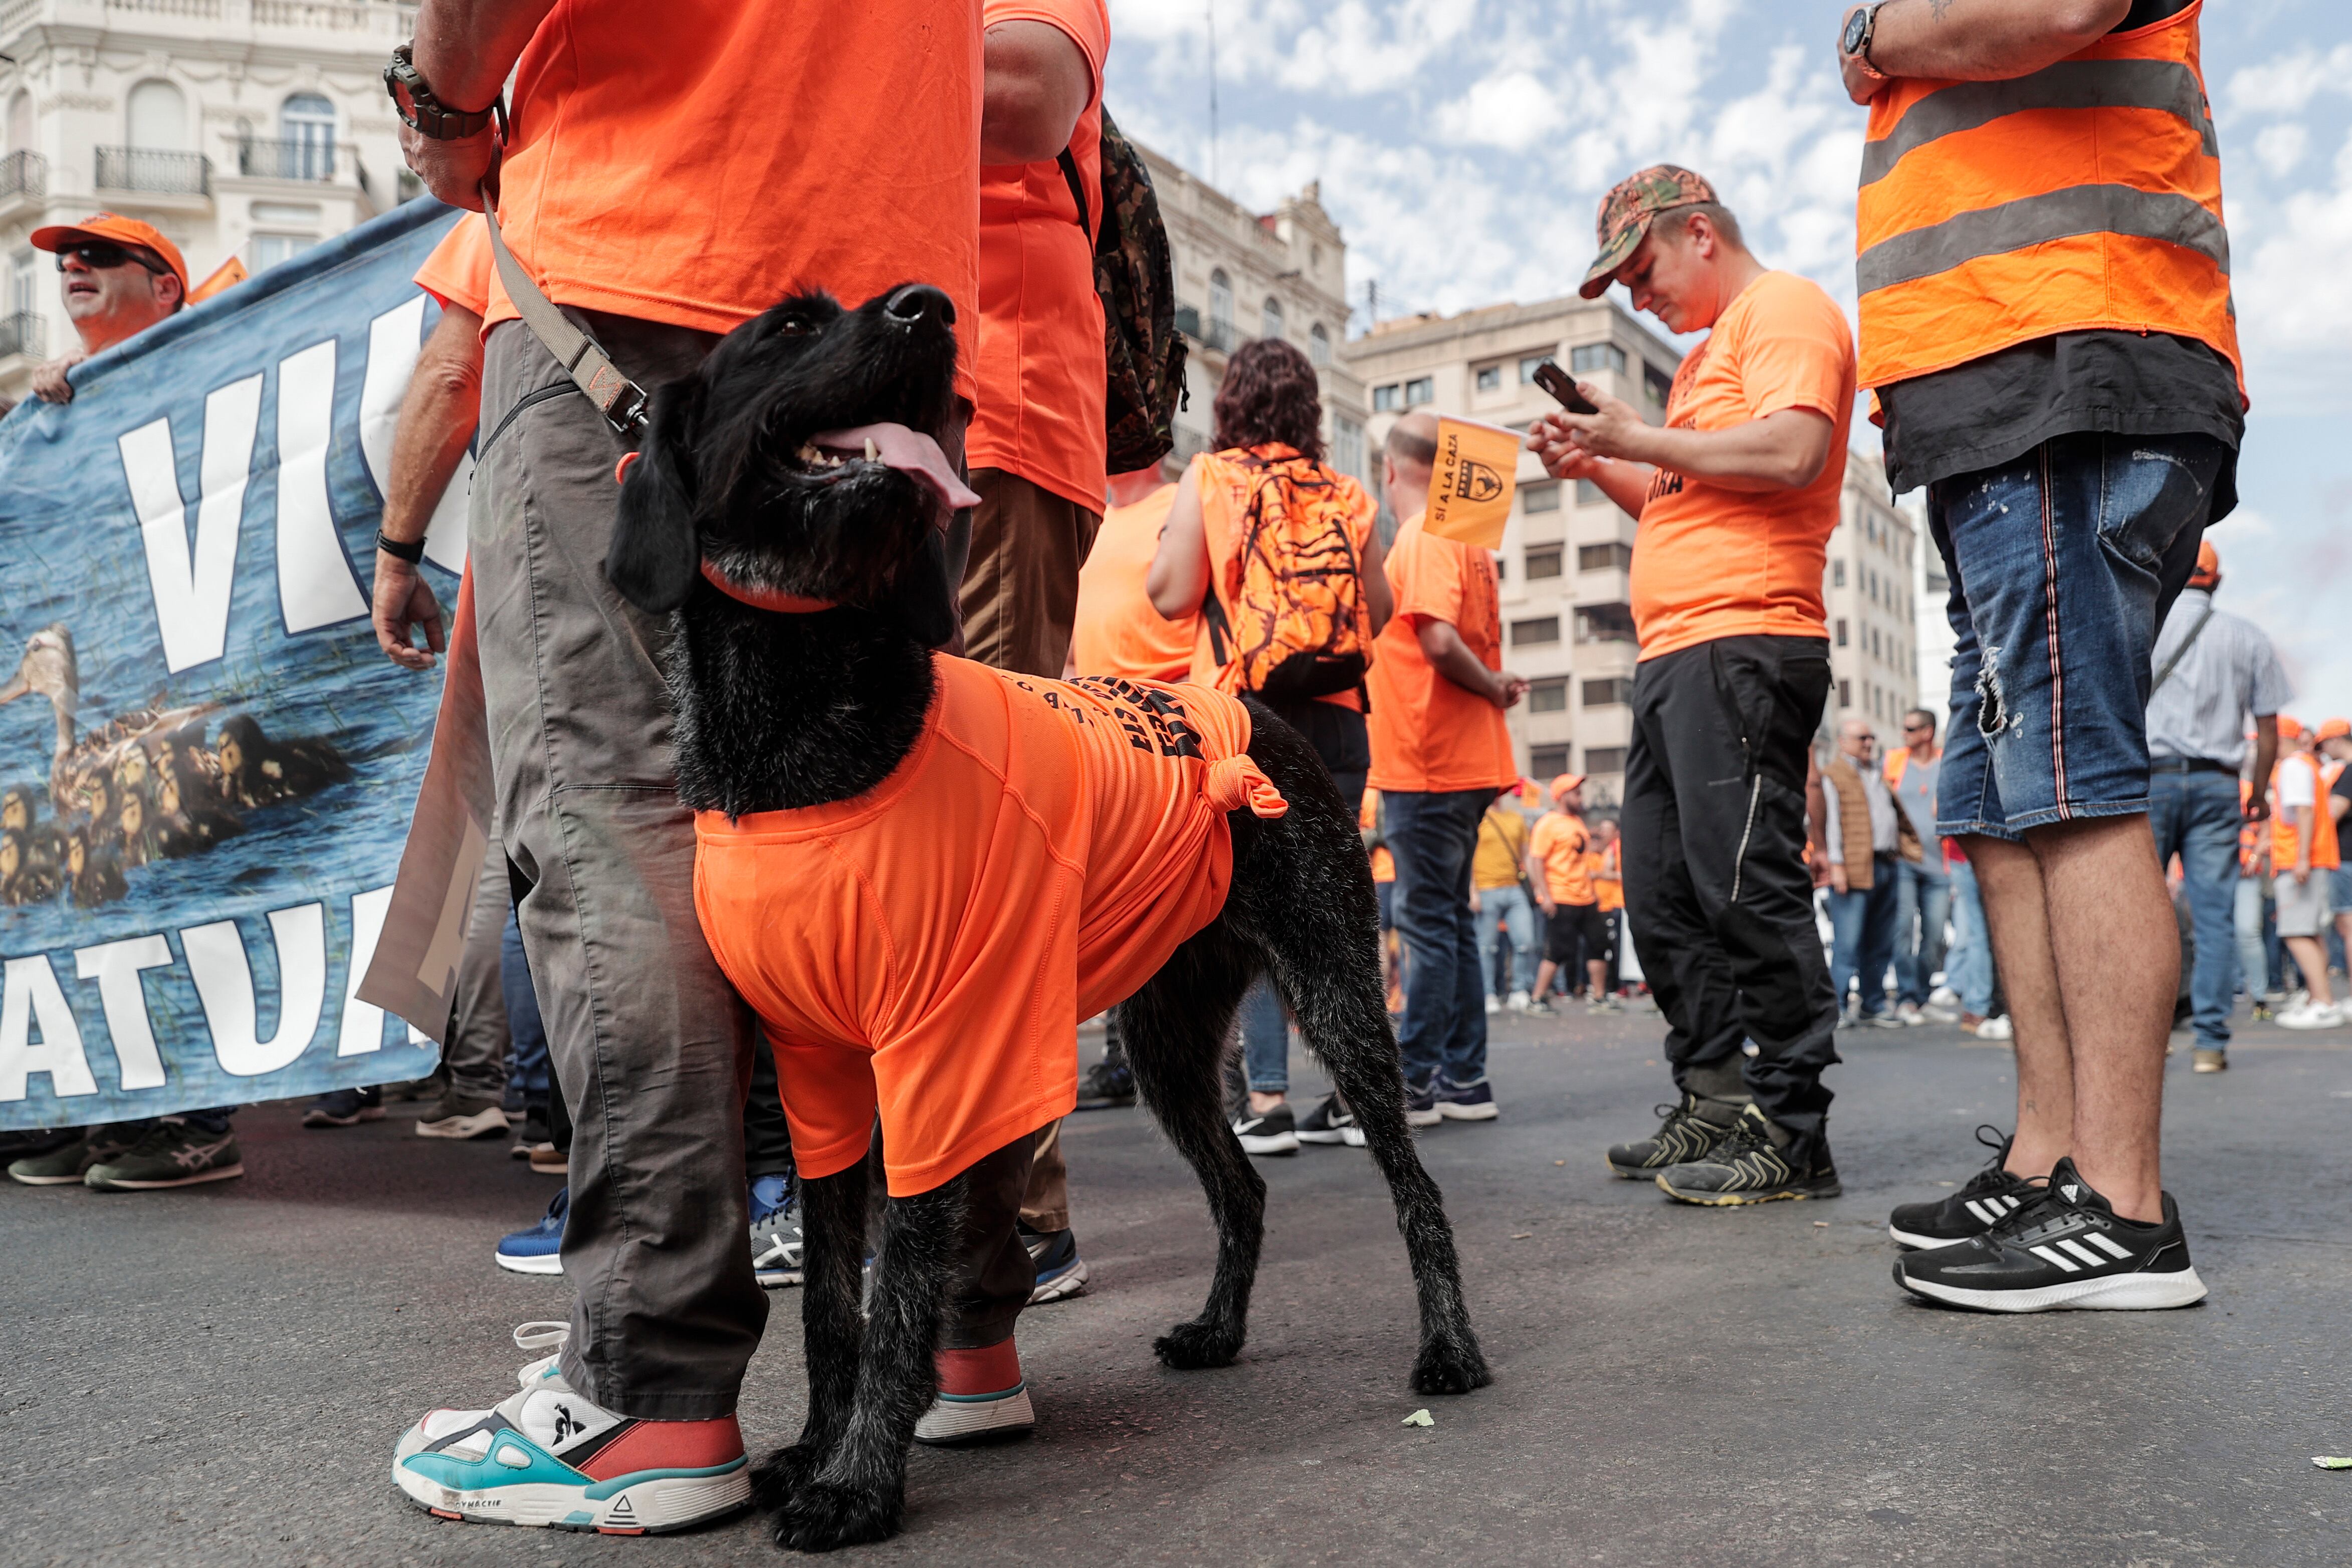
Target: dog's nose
917,300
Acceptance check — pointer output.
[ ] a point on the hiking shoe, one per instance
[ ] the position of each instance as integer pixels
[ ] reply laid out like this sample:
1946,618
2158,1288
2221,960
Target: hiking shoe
1061,1272
1464,1101
775,1231
2065,1248
538,1250
169,1152
33,1147
1421,1105
545,1455
1330,1122
1684,1133
451,1116
1989,1196
2205,1058
983,1397
1274,1131
1747,1167
1106,1086
534,1133
345,1108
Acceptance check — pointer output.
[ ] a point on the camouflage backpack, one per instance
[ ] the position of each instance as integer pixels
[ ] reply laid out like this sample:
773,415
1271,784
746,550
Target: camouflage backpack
1143,354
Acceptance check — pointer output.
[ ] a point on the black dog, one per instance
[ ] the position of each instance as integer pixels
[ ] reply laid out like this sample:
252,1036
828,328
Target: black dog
800,706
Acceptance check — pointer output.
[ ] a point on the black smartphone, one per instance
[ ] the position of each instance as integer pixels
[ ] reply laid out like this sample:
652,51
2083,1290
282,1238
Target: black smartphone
1555,380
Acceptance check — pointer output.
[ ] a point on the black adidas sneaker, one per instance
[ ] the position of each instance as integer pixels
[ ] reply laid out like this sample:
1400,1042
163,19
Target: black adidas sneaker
1747,1166
1991,1193
2064,1248
1683,1135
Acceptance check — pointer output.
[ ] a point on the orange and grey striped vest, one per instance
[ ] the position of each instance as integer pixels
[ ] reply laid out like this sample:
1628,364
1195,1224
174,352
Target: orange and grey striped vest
2084,196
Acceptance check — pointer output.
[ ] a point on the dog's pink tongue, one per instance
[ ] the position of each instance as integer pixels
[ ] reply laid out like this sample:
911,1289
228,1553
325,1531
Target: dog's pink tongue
911,452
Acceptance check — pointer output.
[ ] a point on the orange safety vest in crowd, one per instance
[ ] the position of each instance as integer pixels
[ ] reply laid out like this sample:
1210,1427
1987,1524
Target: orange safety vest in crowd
1899,762
2324,854
2084,196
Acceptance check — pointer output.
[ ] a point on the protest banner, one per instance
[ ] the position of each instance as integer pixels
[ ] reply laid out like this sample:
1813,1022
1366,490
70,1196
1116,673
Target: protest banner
1470,482
206,763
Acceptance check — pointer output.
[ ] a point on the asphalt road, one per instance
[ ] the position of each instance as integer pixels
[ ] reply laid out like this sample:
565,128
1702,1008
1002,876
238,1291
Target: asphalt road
217,1376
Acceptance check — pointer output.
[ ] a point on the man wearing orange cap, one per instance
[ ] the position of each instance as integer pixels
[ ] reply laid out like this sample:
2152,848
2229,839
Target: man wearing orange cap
2212,669
122,277
2303,857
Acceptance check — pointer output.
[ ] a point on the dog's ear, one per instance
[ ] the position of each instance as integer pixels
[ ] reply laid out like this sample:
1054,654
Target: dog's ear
655,552
922,603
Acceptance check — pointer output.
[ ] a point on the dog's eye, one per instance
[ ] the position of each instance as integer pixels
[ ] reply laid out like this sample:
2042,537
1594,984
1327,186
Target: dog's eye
795,327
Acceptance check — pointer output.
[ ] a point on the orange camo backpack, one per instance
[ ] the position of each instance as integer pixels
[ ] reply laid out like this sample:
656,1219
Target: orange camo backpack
1300,625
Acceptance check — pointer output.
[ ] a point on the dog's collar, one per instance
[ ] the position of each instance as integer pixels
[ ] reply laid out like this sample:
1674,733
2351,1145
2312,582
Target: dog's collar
764,598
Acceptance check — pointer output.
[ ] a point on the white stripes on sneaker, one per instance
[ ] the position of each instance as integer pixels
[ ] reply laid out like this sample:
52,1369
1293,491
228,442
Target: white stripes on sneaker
1990,1210
2082,1254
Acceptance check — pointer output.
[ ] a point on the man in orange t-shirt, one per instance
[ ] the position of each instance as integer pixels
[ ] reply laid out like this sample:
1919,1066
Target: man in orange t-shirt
1440,753
1737,497
1036,441
666,181
1561,859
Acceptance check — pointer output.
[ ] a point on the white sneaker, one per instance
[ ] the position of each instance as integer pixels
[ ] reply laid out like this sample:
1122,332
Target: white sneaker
1519,1002
545,1455
1932,1013
1996,1028
1492,1005
1909,1013
1942,997
2311,1015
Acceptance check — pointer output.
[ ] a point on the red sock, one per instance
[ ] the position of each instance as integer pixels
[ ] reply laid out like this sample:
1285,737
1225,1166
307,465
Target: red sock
991,1369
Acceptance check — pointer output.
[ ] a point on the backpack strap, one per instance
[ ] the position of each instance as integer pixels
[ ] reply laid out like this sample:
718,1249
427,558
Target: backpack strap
1077,190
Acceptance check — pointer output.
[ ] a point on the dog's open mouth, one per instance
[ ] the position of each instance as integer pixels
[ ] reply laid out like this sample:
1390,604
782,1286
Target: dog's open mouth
834,454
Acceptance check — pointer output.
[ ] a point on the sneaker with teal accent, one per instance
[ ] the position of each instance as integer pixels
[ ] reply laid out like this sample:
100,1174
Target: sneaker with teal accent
547,1457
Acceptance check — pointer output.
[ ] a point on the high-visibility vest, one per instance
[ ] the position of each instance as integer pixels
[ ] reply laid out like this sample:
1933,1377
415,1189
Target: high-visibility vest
2084,196
2284,839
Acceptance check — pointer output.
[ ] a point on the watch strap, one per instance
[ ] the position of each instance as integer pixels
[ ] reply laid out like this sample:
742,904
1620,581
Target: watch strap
428,115
410,550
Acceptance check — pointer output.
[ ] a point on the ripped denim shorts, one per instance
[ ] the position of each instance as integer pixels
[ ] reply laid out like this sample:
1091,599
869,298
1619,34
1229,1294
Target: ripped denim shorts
2063,564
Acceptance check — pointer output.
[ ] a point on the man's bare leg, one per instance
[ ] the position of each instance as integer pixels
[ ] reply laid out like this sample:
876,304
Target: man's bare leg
2118,946
2311,957
2009,881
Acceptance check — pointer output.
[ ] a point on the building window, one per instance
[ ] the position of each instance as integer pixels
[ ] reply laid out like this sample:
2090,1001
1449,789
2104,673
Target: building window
157,120
1837,574
1318,344
1386,401
1539,498
1548,695
1605,623
1347,444
307,124
1657,386
1614,691
20,123
1528,366
1530,633
268,250
1615,555
1604,760
1269,317
1588,494
1590,357
1544,562
1841,632
1221,309
1422,390
1547,761
1845,693
24,284
1490,378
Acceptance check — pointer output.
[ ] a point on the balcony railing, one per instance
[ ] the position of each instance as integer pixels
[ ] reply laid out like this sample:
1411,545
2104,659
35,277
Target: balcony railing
159,173
1220,337
23,174
22,334
266,157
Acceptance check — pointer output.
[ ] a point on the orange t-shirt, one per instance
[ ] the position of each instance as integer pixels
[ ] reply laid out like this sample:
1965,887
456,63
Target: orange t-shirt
1226,490
459,270
1562,846
2284,834
1041,410
1117,631
927,949
1428,734
1608,879
1712,562
696,164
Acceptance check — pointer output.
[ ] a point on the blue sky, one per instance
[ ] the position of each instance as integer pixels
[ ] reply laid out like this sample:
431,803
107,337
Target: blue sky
1463,145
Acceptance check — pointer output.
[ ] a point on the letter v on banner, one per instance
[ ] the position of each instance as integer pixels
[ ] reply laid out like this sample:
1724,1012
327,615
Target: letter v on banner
192,586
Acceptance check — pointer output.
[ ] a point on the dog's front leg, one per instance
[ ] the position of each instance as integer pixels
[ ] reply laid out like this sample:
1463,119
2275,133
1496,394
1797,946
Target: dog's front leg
860,1491
832,1264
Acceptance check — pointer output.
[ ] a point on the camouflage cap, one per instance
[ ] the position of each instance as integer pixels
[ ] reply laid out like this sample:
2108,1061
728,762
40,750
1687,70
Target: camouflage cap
1626,212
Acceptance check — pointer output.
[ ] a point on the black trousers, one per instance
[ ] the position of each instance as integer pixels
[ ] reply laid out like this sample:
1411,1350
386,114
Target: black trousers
1717,893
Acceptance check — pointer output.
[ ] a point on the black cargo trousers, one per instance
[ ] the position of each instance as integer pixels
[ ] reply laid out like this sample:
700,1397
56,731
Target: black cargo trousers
1717,898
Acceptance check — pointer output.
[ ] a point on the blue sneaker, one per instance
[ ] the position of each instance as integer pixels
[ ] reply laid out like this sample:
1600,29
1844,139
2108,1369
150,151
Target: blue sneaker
1061,1272
539,1251
1464,1101
775,1231
1421,1104
345,1108
547,1456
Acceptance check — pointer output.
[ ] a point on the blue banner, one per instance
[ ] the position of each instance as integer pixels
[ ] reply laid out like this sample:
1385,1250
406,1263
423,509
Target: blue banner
206,763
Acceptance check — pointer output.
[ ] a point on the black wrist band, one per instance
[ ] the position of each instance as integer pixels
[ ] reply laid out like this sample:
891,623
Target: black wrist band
412,553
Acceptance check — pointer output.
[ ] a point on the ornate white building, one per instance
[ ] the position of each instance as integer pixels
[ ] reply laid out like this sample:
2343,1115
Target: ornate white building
245,129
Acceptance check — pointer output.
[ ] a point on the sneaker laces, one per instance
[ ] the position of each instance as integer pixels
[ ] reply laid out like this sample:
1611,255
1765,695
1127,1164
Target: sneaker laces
1994,1174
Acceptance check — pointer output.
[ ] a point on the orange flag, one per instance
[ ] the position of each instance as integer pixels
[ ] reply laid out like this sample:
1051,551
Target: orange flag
1470,484
228,275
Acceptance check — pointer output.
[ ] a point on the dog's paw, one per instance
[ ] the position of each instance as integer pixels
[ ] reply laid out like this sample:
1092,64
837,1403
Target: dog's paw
1189,1347
820,1515
1450,1366
783,1473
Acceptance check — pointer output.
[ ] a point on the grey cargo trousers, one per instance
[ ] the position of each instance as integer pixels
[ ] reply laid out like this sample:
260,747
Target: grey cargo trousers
652,1047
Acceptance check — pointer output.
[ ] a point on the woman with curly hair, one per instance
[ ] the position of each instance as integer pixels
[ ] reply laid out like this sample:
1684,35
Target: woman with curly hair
1278,555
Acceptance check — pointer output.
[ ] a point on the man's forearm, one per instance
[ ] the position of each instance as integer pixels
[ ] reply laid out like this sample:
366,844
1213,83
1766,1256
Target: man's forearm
1985,40
1627,484
466,48
1451,657
437,417
1784,451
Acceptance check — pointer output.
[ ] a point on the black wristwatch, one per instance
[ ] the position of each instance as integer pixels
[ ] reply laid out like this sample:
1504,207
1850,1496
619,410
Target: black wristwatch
410,550
413,100
1861,29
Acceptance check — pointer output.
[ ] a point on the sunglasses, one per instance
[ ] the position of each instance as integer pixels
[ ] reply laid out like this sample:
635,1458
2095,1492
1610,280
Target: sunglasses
101,257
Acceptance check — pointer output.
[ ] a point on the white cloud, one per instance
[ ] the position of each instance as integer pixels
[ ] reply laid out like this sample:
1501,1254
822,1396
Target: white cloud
2295,294
1510,109
2281,147
2287,84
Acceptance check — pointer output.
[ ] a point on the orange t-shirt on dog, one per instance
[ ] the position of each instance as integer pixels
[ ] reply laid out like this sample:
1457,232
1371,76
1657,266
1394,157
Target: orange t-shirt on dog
927,949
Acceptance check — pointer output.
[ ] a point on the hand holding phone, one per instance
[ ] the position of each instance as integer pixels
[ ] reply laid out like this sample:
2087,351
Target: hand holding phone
1555,380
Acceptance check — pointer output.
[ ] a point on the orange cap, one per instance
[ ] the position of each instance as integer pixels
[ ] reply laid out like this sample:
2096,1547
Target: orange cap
2336,730
120,231
2290,727
1566,782
2208,566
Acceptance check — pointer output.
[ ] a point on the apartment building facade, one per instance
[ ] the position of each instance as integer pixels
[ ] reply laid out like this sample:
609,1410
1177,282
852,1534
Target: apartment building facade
245,128
1874,592
1567,618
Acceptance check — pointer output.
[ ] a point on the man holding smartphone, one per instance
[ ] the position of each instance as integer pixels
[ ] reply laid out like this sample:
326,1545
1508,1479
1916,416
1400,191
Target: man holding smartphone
1737,498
